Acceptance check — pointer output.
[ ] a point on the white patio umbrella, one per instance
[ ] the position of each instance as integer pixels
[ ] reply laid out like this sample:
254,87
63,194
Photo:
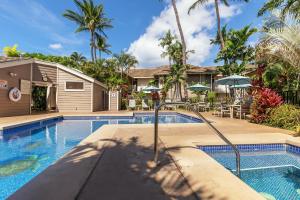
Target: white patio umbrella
234,80
198,87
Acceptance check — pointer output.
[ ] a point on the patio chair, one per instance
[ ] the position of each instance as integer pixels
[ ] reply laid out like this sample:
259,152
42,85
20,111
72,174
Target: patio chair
203,107
222,110
132,104
243,110
145,105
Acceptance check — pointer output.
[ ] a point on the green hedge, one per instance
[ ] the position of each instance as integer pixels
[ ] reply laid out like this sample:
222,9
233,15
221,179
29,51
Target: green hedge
285,116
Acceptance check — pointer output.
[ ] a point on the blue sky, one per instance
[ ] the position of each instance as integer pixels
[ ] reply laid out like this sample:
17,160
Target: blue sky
38,26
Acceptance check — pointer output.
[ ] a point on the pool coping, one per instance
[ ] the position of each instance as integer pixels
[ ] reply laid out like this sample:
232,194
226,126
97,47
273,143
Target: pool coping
44,118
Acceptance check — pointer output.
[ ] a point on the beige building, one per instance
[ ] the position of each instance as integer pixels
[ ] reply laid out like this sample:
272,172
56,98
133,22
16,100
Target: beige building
204,75
66,89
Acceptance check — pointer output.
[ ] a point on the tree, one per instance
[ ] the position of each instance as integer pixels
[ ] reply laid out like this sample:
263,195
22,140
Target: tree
101,45
78,58
183,43
281,40
125,62
236,54
176,78
173,50
280,45
286,7
216,3
90,18
11,51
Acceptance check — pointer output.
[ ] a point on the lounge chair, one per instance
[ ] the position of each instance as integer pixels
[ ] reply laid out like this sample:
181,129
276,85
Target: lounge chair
145,105
132,104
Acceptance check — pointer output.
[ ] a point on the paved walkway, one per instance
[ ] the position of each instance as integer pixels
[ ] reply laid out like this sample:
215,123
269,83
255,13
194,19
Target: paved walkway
123,173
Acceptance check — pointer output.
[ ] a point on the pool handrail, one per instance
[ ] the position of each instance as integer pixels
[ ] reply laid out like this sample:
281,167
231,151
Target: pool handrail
187,104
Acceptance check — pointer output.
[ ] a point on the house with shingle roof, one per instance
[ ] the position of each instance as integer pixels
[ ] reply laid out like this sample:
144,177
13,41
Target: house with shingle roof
140,77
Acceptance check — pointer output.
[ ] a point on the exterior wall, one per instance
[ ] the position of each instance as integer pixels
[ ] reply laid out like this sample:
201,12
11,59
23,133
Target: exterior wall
73,101
142,83
40,70
98,98
7,107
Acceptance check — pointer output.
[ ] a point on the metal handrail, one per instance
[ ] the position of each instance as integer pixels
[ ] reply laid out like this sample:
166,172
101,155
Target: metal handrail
157,108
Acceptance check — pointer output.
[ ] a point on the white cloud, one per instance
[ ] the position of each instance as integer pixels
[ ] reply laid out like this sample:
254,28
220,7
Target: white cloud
55,46
196,27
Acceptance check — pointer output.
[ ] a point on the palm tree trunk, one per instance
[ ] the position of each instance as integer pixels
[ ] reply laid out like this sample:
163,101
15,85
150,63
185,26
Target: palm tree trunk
219,24
92,46
183,47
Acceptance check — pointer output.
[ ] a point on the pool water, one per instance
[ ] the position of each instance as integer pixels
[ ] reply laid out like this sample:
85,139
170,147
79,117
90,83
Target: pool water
27,150
272,170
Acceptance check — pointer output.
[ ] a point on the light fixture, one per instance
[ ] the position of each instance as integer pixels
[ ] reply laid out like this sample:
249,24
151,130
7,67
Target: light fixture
12,74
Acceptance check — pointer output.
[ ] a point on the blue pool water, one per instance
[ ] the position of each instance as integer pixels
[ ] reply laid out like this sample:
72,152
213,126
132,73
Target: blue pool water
27,150
269,169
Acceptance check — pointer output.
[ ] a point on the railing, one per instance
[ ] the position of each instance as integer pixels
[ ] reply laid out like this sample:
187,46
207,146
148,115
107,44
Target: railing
291,97
235,149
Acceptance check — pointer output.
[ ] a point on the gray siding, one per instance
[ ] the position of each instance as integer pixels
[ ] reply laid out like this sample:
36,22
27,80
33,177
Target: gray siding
72,101
7,107
98,98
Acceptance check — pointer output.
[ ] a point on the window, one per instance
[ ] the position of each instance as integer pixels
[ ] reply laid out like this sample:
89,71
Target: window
74,86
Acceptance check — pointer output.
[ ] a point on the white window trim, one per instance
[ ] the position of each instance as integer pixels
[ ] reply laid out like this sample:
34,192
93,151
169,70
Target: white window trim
74,90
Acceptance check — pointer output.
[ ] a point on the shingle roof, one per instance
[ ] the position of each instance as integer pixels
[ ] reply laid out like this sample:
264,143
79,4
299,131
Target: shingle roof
11,59
165,70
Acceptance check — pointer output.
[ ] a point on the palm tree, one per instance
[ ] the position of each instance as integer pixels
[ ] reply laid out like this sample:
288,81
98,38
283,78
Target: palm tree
125,62
216,2
175,78
90,18
101,45
281,41
184,52
78,58
286,6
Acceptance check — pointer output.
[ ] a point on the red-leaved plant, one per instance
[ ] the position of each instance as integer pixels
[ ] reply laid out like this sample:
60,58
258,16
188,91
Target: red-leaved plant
264,99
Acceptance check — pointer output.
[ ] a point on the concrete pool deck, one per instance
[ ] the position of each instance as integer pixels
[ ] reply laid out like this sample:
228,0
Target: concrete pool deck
112,163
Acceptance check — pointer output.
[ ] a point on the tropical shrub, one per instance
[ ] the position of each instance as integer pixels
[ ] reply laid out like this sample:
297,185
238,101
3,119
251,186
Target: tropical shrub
264,99
11,51
211,97
285,116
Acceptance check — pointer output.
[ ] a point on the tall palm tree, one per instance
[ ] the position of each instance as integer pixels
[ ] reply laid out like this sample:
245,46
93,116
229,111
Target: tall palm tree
102,45
90,18
78,57
286,6
216,2
184,52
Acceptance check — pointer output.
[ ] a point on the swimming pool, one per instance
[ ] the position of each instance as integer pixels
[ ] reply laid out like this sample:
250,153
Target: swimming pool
271,169
27,150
